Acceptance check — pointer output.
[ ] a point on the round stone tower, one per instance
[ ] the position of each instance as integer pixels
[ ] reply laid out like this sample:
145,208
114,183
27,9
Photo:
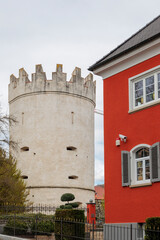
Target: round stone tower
55,134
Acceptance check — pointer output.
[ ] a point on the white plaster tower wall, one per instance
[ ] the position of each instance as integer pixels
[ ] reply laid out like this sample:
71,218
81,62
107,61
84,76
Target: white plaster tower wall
55,133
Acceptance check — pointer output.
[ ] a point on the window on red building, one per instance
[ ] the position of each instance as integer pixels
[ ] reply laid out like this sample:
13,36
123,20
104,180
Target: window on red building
144,89
141,165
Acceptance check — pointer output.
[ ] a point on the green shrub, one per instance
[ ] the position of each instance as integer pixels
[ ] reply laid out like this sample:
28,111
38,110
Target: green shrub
62,206
39,224
68,206
43,226
72,221
20,226
74,204
74,214
152,231
67,197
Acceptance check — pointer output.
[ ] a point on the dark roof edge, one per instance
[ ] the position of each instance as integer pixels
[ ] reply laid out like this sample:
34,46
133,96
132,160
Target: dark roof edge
99,64
96,65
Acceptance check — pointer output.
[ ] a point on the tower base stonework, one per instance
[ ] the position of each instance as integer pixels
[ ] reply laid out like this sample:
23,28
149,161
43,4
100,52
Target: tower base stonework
50,195
55,134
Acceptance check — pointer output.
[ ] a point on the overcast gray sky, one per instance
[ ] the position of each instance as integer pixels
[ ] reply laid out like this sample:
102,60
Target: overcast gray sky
70,32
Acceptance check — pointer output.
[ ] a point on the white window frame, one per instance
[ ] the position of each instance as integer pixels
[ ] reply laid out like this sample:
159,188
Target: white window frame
143,160
134,167
143,76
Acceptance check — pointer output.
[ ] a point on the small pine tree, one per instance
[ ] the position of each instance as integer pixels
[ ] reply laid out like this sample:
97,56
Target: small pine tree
12,187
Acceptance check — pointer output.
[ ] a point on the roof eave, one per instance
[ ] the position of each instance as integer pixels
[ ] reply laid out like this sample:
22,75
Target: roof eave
100,64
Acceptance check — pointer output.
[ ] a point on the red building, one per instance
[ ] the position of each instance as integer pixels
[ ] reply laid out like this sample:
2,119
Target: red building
131,75
99,192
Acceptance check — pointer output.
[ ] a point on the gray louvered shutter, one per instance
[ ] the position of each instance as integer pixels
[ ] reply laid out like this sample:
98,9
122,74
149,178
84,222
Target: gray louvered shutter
155,162
125,161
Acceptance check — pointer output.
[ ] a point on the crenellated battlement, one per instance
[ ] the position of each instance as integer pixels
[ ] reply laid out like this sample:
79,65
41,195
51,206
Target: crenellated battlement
77,85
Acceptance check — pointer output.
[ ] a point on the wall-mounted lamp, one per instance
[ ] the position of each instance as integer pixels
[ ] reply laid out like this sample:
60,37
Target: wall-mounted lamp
118,142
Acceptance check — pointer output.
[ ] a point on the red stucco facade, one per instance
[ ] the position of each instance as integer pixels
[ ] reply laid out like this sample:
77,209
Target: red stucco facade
125,204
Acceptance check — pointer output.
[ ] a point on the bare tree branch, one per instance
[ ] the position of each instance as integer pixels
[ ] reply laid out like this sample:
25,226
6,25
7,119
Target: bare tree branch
7,121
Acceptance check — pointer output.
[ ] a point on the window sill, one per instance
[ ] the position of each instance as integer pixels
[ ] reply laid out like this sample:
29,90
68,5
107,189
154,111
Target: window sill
144,106
140,185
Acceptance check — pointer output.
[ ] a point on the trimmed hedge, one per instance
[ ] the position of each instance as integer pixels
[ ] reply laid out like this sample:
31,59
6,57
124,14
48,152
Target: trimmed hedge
71,222
75,204
66,197
68,206
152,231
30,224
74,214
